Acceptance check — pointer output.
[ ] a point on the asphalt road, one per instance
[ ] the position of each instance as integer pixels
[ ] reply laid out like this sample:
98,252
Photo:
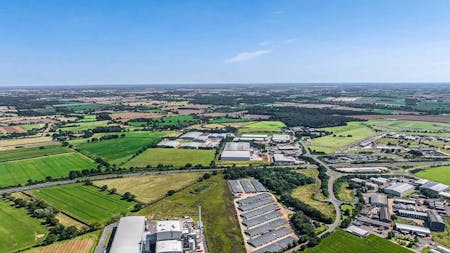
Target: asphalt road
102,243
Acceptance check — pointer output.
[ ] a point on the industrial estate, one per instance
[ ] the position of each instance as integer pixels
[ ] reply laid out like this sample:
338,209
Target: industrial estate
178,169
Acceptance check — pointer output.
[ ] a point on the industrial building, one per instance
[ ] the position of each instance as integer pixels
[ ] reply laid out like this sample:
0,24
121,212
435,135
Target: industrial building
254,137
168,144
412,214
357,231
378,199
135,234
384,214
434,187
379,180
236,151
399,189
283,159
415,230
435,221
280,138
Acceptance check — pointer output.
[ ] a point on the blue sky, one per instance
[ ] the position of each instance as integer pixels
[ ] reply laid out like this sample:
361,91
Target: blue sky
143,42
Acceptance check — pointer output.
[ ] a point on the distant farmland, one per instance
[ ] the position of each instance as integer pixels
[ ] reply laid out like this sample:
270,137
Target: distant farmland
86,203
262,127
56,166
117,151
170,156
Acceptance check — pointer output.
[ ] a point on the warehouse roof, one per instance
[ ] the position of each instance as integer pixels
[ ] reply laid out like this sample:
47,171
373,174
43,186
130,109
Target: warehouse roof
128,236
235,154
237,146
400,187
434,186
379,198
357,231
191,135
412,228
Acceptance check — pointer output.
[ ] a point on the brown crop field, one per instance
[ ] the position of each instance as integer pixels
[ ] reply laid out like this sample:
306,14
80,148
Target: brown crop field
26,142
72,246
11,129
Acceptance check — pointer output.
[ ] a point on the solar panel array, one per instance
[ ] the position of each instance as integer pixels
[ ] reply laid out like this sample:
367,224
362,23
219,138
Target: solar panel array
269,237
235,186
261,219
258,186
253,199
266,227
254,205
247,186
277,246
259,211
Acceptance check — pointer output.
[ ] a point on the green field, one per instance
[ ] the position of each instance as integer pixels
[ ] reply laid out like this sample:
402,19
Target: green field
383,111
394,102
25,153
262,127
56,166
346,135
306,193
432,106
170,156
86,203
343,242
88,118
218,214
438,174
87,107
31,126
118,151
17,229
229,120
165,121
80,126
151,187
408,126
444,236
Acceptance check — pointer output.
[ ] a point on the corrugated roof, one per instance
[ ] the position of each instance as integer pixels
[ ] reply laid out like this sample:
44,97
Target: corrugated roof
128,235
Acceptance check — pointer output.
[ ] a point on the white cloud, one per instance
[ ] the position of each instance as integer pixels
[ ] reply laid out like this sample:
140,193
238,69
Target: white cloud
245,56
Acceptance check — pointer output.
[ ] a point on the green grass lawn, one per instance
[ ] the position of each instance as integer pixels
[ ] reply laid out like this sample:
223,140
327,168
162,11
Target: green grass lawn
346,135
118,151
86,203
25,153
443,237
175,157
343,242
438,174
17,229
383,111
262,127
56,166
218,214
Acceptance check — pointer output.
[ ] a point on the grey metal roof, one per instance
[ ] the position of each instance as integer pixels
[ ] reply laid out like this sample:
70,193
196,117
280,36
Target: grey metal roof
129,234
258,186
235,186
269,237
261,219
248,187
259,211
254,205
277,246
272,225
237,146
253,199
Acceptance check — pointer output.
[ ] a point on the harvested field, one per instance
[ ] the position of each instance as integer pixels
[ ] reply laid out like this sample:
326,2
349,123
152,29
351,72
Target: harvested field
73,246
68,221
26,142
11,130
405,117
126,116
152,187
